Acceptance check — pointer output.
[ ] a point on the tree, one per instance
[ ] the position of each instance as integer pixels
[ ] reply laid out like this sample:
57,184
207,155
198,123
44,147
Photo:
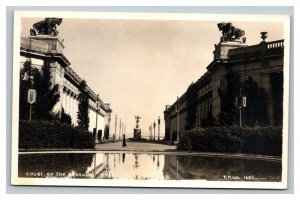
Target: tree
256,110
276,80
26,82
191,106
229,112
83,107
47,95
65,118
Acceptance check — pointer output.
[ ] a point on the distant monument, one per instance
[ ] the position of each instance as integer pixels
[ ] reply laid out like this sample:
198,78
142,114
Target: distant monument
137,131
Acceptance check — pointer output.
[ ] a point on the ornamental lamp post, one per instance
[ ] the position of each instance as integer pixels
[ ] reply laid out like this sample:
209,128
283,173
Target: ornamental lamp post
177,111
97,110
154,130
124,138
124,130
120,129
116,122
158,126
241,102
31,96
109,119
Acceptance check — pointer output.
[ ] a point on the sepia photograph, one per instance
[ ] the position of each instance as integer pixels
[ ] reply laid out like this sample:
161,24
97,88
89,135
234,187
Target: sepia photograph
150,100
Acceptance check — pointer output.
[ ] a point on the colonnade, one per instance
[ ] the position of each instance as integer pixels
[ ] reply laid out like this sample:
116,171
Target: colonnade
70,104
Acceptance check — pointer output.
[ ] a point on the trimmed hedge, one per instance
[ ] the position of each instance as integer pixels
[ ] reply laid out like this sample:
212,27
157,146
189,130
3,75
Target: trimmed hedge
52,134
250,140
137,140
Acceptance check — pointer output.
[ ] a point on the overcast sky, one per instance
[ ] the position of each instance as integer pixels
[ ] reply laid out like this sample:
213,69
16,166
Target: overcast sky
140,66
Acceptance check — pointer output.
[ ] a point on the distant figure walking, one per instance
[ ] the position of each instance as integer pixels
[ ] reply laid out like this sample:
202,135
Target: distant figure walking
124,142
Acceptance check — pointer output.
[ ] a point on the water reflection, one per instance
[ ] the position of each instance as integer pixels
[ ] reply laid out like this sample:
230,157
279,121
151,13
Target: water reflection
146,166
123,157
55,165
221,169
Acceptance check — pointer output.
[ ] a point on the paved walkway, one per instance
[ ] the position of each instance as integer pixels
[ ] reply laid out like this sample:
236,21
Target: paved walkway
135,146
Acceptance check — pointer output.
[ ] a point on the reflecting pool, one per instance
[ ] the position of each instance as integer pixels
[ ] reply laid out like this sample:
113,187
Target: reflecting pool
146,166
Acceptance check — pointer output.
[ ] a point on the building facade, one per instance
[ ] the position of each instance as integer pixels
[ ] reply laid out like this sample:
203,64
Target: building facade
262,63
41,48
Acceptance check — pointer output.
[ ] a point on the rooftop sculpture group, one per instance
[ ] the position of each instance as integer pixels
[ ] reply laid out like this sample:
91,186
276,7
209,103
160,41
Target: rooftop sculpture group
230,33
46,27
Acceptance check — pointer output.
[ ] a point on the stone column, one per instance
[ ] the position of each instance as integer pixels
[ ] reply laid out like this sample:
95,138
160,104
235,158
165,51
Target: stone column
76,110
68,102
65,99
72,105
57,77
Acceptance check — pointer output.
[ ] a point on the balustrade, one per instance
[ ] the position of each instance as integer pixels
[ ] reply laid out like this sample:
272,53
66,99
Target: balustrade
275,44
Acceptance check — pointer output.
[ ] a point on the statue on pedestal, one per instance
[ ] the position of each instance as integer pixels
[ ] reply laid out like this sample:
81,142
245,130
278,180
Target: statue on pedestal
137,130
46,27
137,121
230,33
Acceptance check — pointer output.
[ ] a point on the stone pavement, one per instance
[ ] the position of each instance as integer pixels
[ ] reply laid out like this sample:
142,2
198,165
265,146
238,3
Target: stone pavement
135,146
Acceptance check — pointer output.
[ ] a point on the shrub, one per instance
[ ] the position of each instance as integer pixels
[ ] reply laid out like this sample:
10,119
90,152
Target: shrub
52,134
65,118
267,140
254,140
185,143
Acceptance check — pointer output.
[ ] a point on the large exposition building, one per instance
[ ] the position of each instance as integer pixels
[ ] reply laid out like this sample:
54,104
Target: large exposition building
262,63
43,47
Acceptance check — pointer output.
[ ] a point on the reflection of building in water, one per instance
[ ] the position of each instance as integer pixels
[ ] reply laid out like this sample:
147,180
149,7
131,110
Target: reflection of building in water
106,155
214,168
101,168
62,165
97,165
157,161
172,169
89,165
114,161
260,64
